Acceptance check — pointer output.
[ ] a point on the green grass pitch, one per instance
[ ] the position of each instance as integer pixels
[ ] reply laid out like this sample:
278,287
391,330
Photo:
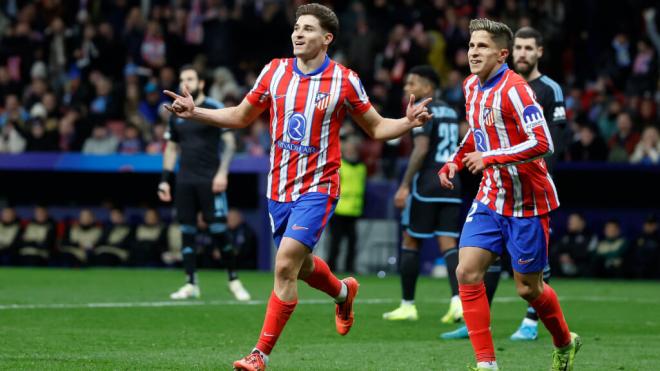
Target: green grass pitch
52,319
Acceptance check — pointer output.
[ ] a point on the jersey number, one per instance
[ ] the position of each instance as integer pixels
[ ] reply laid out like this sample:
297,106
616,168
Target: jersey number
448,134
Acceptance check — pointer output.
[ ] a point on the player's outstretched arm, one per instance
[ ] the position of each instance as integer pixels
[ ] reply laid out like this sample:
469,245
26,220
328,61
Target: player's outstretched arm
380,128
231,117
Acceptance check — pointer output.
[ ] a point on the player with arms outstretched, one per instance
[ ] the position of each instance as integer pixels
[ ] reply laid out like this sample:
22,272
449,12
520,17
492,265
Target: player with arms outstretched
308,97
428,210
507,140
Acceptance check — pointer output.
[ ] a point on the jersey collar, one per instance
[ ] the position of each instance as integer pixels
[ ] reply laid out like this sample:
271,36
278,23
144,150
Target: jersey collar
321,68
495,79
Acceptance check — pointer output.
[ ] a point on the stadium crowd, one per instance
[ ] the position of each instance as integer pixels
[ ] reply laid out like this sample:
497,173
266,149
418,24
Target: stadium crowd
89,77
140,238
113,237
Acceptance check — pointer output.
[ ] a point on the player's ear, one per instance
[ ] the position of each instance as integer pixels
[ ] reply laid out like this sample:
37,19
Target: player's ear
540,52
327,38
504,54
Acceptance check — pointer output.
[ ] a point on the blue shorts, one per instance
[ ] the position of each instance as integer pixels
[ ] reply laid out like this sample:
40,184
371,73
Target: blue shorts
526,239
303,219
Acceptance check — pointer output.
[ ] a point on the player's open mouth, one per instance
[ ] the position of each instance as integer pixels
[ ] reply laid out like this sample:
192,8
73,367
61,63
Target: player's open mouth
299,43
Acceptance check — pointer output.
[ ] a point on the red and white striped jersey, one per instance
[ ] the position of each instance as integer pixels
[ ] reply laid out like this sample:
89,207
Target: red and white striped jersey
508,127
306,113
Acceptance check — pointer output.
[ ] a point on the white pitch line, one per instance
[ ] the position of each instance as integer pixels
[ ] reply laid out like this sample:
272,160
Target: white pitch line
372,301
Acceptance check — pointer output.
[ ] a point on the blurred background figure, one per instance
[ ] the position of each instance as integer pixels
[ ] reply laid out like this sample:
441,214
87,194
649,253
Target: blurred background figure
80,239
353,179
115,244
10,235
38,241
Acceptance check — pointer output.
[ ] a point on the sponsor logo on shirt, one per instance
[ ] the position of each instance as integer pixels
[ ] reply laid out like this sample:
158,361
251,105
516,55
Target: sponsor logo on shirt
532,117
480,140
297,147
559,114
297,126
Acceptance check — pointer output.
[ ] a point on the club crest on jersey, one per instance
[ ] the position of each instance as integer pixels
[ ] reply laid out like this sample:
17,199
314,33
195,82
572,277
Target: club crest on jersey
532,117
297,127
488,116
322,100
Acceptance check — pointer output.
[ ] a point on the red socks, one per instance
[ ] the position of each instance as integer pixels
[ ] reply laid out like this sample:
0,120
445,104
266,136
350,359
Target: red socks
549,311
323,279
277,314
476,313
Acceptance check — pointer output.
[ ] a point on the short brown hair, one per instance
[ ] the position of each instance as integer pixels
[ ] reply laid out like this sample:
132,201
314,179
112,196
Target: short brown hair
501,33
530,33
327,18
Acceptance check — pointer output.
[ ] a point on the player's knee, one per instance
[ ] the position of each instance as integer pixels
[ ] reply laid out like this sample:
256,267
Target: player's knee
468,275
528,290
286,271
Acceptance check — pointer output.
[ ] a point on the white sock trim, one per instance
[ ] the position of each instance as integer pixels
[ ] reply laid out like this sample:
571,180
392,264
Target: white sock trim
407,302
343,293
488,365
530,322
263,355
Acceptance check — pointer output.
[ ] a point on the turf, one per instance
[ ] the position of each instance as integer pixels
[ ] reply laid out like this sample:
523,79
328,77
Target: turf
57,320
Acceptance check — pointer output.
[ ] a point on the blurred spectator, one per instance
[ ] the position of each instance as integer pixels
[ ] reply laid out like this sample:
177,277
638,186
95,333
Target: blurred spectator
243,238
13,111
622,143
157,144
224,85
38,239
153,46
102,142
150,240
648,115
115,244
7,85
132,142
644,76
258,142
104,106
148,107
607,259
643,260
80,239
350,206
38,139
10,235
68,139
607,121
11,140
572,252
648,149
589,146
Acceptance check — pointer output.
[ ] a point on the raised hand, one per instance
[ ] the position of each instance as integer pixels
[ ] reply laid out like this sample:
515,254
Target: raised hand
182,105
419,114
